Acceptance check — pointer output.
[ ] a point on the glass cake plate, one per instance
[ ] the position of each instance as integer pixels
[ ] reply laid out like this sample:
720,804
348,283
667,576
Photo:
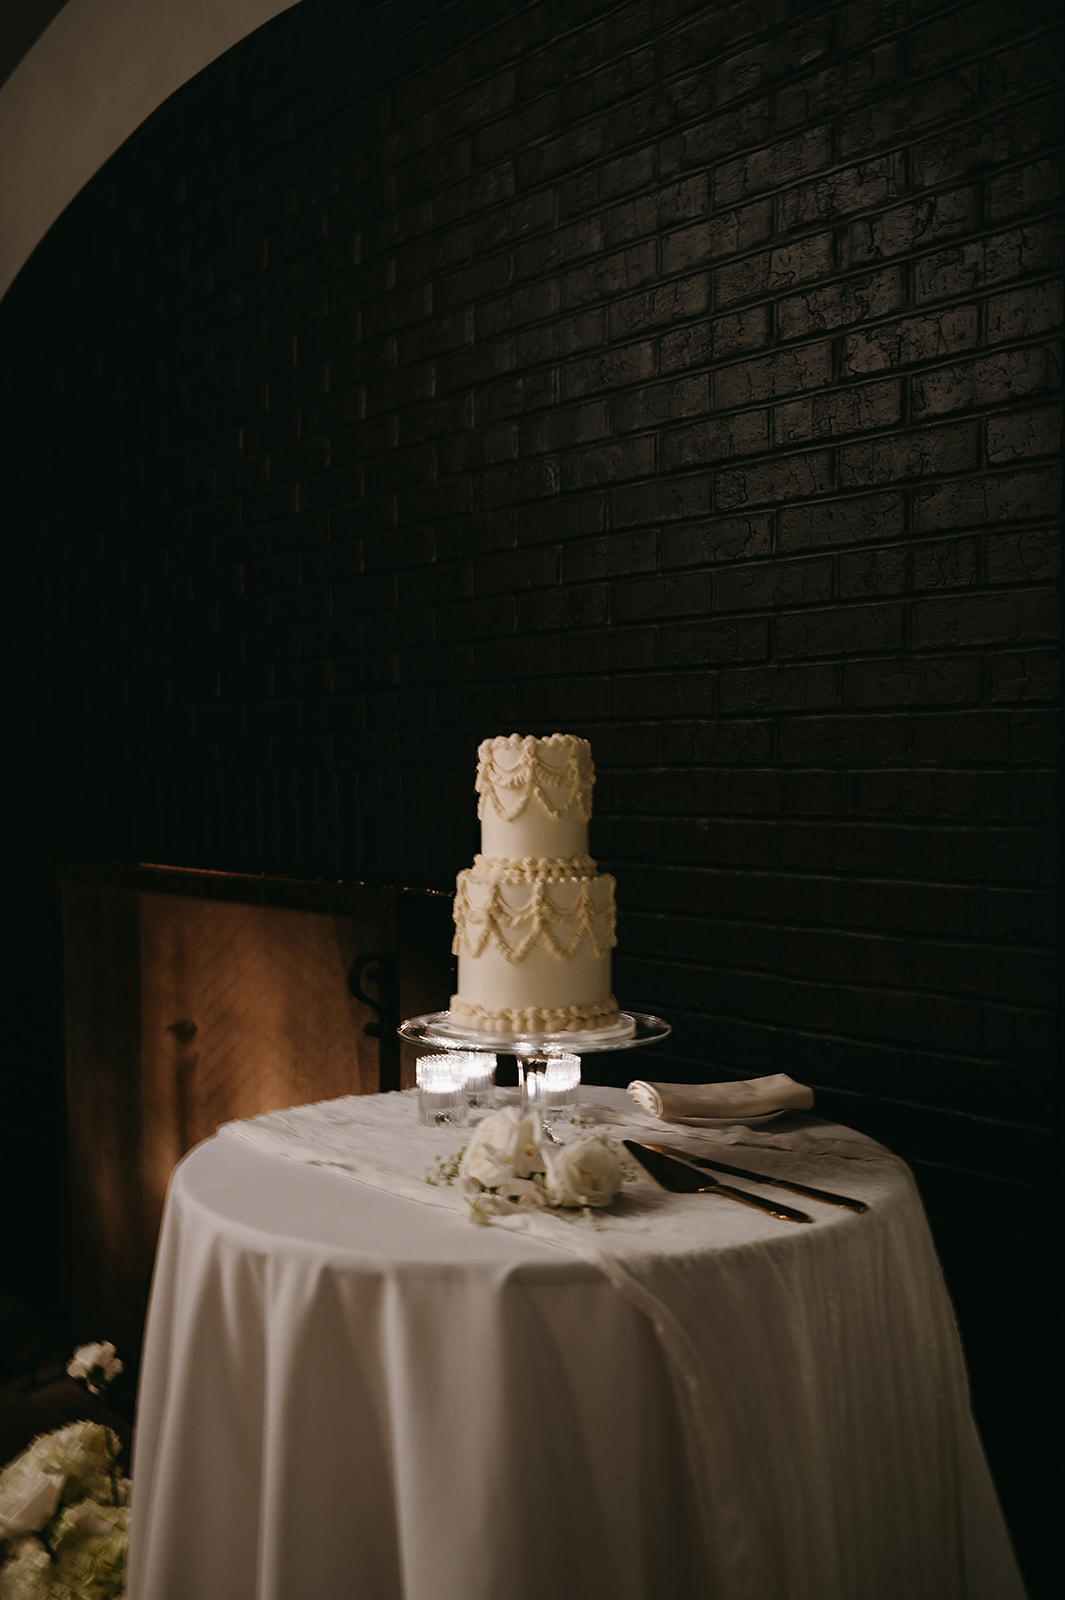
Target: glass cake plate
631,1028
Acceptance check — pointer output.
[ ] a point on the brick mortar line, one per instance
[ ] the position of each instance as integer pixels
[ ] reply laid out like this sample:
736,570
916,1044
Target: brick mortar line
1048,277
679,26
616,863
739,465
1002,1008
656,331
887,146
764,91
790,979
1046,397
834,222
846,932
840,824
776,239
672,1049
819,553
1033,400
851,770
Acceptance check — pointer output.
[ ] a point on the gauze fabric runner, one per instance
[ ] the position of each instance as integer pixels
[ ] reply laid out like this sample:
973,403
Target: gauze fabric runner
378,1140
751,1098
849,1305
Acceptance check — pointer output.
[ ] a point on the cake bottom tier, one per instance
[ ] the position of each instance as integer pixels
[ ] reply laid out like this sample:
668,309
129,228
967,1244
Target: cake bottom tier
539,994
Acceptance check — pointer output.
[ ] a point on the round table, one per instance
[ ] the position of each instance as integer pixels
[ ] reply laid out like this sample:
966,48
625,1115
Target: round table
349,1395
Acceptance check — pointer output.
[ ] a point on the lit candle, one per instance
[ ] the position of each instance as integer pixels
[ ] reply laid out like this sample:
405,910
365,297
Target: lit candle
553,1084
480,1080
442,1090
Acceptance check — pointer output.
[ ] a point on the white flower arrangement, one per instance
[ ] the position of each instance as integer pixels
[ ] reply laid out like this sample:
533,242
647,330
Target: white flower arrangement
507,1167
64,1508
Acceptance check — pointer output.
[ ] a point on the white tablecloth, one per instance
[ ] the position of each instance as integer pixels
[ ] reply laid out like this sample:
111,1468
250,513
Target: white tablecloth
354,1394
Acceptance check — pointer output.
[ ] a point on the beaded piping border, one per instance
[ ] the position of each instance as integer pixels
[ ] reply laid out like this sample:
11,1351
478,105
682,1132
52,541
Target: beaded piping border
510,789
536,1019
517,929
532,869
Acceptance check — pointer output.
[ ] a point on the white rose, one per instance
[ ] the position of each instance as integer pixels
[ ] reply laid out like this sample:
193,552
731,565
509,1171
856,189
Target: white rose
504,1146
90,1545
27,1575
585,1172
95,1364
28,1497
80,1455
511,1198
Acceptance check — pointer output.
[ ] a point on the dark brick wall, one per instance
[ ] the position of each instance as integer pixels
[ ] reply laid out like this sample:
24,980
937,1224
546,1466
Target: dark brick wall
682,375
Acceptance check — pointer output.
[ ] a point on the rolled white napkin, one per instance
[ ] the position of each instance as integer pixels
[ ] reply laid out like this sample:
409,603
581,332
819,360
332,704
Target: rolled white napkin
754,1097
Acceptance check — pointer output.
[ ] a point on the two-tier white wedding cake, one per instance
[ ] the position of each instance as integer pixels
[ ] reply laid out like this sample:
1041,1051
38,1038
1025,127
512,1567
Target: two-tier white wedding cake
534,918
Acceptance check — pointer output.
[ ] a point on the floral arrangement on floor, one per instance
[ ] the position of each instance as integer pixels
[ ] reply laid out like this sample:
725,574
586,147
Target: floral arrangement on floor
64,1507
509,1165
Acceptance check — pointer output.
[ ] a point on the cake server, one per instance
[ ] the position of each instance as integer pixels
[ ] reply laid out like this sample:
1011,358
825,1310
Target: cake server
681,1178
811,1193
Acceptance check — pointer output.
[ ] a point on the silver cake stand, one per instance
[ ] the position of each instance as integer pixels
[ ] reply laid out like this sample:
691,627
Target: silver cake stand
632,1028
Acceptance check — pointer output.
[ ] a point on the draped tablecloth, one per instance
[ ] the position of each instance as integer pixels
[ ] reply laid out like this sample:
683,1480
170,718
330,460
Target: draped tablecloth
349,1392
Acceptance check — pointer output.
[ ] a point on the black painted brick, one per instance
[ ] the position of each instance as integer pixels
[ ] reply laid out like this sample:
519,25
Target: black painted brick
1017,434
999,258
916,454
977,500
769,585
691,643
853,520
859,298
876,571
839,412
937,680
692,545
785,478
912,340
766,377
987,380
682,374
722,438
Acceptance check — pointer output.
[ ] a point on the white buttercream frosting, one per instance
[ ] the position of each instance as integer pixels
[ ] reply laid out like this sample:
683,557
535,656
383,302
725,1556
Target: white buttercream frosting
534,917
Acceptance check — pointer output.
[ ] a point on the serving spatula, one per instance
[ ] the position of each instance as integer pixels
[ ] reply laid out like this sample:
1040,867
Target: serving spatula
680,1178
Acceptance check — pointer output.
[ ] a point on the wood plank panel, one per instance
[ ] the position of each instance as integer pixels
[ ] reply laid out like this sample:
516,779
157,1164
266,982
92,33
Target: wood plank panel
183,1013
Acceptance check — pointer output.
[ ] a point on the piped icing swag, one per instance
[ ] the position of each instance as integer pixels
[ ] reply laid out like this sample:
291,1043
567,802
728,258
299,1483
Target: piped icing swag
557,772
556,920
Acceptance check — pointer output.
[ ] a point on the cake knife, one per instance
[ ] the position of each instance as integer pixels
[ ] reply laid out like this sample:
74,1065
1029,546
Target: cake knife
680,1178
811,1193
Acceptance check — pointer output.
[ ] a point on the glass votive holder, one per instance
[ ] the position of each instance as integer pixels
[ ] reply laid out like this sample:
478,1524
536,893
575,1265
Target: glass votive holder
480,1080
442,1091
552,1085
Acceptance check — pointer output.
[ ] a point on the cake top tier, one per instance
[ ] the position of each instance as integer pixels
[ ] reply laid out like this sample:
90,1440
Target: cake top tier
551,777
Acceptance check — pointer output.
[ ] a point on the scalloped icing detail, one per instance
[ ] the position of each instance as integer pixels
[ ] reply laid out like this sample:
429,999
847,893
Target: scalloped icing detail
535,1019
510,789
515,930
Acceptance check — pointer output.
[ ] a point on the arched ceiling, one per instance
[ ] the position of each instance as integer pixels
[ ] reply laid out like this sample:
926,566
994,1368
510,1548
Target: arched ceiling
82,77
